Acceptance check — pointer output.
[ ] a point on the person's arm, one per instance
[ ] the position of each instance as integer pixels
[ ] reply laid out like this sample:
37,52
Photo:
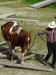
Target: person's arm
41,32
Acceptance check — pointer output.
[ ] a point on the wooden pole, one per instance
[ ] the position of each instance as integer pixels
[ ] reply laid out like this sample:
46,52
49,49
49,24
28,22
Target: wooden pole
25,58
23,66
42,3
3,43
29,56
3,56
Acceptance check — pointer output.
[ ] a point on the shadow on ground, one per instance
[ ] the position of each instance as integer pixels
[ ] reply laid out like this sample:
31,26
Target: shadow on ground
38,57
6,51
2,49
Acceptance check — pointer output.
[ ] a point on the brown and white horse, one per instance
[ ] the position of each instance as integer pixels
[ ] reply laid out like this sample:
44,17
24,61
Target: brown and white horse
16,36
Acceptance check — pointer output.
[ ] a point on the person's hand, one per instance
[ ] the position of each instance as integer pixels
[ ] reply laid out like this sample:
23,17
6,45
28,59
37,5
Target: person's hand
36,33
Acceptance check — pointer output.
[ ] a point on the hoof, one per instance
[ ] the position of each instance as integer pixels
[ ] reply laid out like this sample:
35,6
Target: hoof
22,62
11,59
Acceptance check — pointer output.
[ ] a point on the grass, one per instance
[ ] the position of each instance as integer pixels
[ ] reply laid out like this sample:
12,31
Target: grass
33,1
15,4
52,5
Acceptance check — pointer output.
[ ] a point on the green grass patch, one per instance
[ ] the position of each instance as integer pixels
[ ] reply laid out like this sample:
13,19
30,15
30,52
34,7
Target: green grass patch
33,1
52,6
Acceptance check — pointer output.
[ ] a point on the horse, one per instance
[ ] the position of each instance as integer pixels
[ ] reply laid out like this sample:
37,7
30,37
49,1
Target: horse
15,36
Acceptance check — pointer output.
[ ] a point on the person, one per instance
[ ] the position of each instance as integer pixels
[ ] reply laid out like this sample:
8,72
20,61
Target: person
50,32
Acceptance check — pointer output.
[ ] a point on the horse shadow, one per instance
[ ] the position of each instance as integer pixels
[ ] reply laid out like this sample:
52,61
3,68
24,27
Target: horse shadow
5,51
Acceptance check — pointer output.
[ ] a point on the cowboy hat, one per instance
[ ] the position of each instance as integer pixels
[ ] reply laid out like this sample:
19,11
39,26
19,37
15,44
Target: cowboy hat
52,24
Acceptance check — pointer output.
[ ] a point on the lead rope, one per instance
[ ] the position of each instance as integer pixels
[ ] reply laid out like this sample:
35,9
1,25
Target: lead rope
33,41
42,39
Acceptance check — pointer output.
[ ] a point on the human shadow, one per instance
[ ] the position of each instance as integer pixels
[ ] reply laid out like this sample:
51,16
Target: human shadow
40,58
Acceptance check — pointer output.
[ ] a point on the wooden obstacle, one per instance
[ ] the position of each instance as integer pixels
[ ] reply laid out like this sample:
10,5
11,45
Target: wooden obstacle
6,15
2,43
42,3
23,66
29,56
1,66
21,20
25,58
3,56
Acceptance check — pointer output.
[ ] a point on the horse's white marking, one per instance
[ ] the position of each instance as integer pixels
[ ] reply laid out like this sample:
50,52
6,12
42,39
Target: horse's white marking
28,41
15,23
28,38
18,31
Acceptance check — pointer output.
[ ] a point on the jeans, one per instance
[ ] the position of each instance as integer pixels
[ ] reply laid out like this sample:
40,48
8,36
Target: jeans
51,50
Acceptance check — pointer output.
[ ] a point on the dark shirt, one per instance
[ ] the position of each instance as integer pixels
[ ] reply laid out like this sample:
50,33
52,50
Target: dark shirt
50,34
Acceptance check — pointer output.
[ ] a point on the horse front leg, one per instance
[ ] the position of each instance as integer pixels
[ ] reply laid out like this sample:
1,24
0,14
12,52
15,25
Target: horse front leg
22,55
22,58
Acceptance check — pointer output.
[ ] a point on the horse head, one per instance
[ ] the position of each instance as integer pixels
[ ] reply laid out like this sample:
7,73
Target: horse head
27,39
